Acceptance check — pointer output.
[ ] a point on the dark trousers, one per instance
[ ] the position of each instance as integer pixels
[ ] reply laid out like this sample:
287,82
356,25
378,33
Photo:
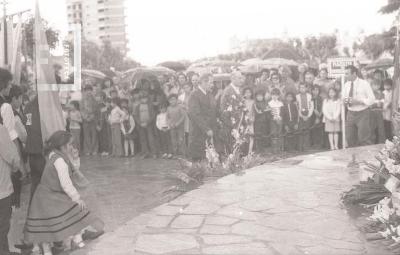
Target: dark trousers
377,127
90,141
276,132
304,134
37,163
5,217
388,129
358,131
165,141
178,140
317,136
147,140
291,138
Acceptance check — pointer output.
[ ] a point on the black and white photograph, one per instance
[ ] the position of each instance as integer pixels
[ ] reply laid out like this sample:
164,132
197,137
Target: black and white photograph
187,127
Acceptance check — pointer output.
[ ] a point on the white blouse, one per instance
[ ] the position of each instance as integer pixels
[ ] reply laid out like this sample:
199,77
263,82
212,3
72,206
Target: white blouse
332,109
65,179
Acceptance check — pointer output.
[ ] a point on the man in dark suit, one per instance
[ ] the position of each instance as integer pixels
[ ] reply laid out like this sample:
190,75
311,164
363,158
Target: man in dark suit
202,110
34,143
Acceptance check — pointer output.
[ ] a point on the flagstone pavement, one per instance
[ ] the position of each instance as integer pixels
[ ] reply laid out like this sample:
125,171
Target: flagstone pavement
287,207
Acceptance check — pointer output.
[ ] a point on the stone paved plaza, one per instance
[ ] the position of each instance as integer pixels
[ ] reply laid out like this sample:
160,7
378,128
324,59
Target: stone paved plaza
125,187
287,207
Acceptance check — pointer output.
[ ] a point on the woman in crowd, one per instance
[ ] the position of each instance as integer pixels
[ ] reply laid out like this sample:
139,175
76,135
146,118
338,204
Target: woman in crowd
324,82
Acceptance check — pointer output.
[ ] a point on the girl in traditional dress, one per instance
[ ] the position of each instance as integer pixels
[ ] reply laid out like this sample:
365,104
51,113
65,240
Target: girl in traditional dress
58,210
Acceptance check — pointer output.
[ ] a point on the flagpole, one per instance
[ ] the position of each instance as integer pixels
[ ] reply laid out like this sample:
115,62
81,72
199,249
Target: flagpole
4,2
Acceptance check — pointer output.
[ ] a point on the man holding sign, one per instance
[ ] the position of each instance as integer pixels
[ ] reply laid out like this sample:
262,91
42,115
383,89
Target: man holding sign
358,96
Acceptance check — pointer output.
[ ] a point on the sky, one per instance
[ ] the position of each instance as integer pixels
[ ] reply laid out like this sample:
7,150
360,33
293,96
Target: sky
160,30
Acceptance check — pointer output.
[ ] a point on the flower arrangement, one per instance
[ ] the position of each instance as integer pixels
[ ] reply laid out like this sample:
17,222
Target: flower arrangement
381,192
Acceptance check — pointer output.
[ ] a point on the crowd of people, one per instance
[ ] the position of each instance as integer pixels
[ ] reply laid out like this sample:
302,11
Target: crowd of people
151,117
170,117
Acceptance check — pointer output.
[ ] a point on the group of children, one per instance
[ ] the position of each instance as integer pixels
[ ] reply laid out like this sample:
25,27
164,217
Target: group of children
123,126
289,121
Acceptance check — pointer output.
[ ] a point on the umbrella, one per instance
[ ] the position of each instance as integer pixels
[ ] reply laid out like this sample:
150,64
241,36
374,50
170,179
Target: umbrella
173,65
93,74
222,77
282,52
252,61
139,73
276,62
255,65
381,63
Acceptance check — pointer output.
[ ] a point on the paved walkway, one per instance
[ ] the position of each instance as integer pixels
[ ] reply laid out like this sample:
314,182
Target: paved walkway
125,188
288,207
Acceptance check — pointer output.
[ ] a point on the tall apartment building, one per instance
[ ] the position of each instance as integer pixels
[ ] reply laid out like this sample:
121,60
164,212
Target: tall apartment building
101,20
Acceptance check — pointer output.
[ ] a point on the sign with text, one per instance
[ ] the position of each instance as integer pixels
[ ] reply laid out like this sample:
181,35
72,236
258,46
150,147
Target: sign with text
336,66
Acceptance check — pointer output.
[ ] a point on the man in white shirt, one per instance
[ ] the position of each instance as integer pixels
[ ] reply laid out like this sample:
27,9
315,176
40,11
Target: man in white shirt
358,96
9,162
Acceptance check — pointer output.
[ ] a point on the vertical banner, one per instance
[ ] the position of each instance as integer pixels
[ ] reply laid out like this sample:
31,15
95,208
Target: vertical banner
15,56
51,118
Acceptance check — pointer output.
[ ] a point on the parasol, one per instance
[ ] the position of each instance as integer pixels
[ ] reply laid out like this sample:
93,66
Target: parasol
222,77
93,73
282,52
276,62
173,65
383,63
139,73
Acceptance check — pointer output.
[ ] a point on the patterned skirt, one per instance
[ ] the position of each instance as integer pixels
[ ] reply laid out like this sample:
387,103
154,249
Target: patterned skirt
53,217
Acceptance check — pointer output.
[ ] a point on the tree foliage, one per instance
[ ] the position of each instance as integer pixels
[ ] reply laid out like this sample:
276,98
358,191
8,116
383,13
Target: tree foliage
51,34
103,57
374,45
322,47
390,7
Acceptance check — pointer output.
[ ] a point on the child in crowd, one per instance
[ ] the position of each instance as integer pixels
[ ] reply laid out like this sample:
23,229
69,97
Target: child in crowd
376,116
276,125
165,136
184,100
290,121
104,128
116,118
249,104
75,122
135,101
306,109
317,132
332,110
387,111
261,124
127,127
145,118
176,117
114,95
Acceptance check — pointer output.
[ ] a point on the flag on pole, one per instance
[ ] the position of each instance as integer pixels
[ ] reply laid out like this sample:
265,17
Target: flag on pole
16,54
51,117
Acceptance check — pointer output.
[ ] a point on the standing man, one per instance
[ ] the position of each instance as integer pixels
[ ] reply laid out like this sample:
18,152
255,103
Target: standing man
358,97
34,143
202,110
7,117
9,162
233,110
89,114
